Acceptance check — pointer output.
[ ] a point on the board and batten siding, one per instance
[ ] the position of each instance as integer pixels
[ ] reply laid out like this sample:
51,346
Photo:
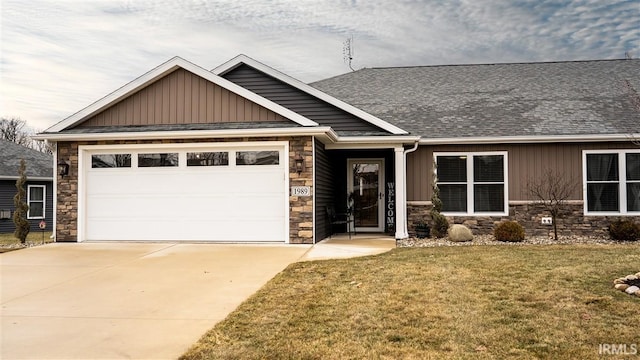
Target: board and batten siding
182,97
527,162
324,183
296,100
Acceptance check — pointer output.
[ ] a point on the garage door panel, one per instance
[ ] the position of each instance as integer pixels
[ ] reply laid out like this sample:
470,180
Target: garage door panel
226,203
143,206
231,230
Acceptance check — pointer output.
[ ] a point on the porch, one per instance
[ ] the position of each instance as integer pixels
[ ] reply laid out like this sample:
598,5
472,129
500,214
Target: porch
343,246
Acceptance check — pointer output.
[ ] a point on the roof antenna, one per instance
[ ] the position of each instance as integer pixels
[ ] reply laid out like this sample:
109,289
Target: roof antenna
347,51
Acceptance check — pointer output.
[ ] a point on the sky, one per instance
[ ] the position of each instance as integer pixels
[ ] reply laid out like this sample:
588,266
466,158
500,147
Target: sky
59,56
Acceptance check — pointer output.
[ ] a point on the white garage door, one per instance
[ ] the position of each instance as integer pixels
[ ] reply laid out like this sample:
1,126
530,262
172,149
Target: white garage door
230,193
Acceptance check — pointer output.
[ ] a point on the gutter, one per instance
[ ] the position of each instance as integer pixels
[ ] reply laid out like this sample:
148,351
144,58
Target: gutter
29,178
529,139
324,131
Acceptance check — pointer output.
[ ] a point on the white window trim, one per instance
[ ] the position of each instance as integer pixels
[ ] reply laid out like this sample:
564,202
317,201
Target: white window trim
470,192
44,201
622,183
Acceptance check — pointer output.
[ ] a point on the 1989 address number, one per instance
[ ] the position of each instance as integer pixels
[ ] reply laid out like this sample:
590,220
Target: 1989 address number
300,191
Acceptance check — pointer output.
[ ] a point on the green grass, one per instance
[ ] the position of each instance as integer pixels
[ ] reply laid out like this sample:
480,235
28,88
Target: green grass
8,242
493,302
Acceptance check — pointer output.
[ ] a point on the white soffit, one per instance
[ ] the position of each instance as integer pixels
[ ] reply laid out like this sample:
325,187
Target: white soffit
160,72
240,59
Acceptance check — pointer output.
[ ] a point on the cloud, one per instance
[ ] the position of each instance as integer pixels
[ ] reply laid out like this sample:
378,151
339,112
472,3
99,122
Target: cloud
58,57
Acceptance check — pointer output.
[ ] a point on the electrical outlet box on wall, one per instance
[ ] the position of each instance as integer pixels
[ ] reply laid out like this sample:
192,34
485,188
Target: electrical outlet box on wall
547,221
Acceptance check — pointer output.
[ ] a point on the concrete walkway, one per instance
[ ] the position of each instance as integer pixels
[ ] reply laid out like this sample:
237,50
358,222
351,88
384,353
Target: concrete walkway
135,300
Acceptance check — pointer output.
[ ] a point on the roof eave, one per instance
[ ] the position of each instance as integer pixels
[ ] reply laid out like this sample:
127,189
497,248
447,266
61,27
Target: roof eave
325,132
529,139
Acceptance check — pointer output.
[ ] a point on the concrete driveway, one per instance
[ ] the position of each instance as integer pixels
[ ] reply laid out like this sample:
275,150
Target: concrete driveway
126,300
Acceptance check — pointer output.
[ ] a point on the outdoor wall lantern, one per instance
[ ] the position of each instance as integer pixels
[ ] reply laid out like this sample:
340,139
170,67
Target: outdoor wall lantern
63,168
299,161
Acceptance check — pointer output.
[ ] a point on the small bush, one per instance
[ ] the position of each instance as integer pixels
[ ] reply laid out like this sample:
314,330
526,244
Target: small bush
440,225
509,231
625,230
422,230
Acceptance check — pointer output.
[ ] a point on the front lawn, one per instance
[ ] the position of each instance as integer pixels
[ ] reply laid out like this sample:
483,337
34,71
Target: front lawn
9,242
448,302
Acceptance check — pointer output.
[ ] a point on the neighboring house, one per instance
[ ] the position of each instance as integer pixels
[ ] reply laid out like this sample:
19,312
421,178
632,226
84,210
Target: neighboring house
39,187
246,153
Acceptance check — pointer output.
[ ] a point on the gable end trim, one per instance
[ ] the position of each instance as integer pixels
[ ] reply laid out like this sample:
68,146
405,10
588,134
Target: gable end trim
243,59
160,72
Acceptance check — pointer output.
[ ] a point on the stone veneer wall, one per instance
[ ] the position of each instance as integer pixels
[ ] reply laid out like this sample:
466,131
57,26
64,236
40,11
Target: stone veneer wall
529,215
301,208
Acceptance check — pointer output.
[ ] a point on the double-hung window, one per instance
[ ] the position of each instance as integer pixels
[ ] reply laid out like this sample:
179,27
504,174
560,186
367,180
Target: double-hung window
36,201
472,183
612,182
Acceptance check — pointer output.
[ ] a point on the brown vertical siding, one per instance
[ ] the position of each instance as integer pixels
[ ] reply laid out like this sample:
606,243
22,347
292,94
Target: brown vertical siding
527,162
182,98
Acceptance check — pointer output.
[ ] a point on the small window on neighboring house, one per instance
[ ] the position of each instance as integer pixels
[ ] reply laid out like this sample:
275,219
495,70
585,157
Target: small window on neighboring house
158,160
36,201
111,161
257,158
208,158
612,182
472,183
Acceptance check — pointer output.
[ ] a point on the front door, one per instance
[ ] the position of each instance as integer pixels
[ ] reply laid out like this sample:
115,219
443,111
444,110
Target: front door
366,184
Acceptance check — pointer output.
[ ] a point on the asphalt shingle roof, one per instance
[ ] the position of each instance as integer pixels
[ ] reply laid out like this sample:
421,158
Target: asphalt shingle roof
38,163
494,100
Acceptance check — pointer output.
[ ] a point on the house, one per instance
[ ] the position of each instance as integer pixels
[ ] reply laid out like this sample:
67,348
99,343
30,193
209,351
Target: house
39,186
246,153
494,129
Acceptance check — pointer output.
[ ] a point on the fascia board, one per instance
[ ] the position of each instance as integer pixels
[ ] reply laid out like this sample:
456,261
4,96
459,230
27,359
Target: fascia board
161,71
529,139
238,60
325,132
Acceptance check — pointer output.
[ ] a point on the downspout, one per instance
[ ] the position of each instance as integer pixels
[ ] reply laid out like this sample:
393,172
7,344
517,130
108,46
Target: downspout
54,146
404,165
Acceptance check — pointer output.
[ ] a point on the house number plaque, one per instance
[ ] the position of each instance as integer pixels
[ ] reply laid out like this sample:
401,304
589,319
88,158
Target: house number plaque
300,191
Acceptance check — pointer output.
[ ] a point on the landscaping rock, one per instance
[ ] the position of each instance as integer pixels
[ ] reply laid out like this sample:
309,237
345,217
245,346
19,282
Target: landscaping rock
632,290
631,277
459,233
621,287
619,281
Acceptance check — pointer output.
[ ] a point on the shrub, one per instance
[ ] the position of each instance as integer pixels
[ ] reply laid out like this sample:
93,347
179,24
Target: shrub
509,231
440,225
422,230
625,230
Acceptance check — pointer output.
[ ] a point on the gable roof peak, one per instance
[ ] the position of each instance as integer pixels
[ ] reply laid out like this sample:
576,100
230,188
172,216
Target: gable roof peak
161,71
246,60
